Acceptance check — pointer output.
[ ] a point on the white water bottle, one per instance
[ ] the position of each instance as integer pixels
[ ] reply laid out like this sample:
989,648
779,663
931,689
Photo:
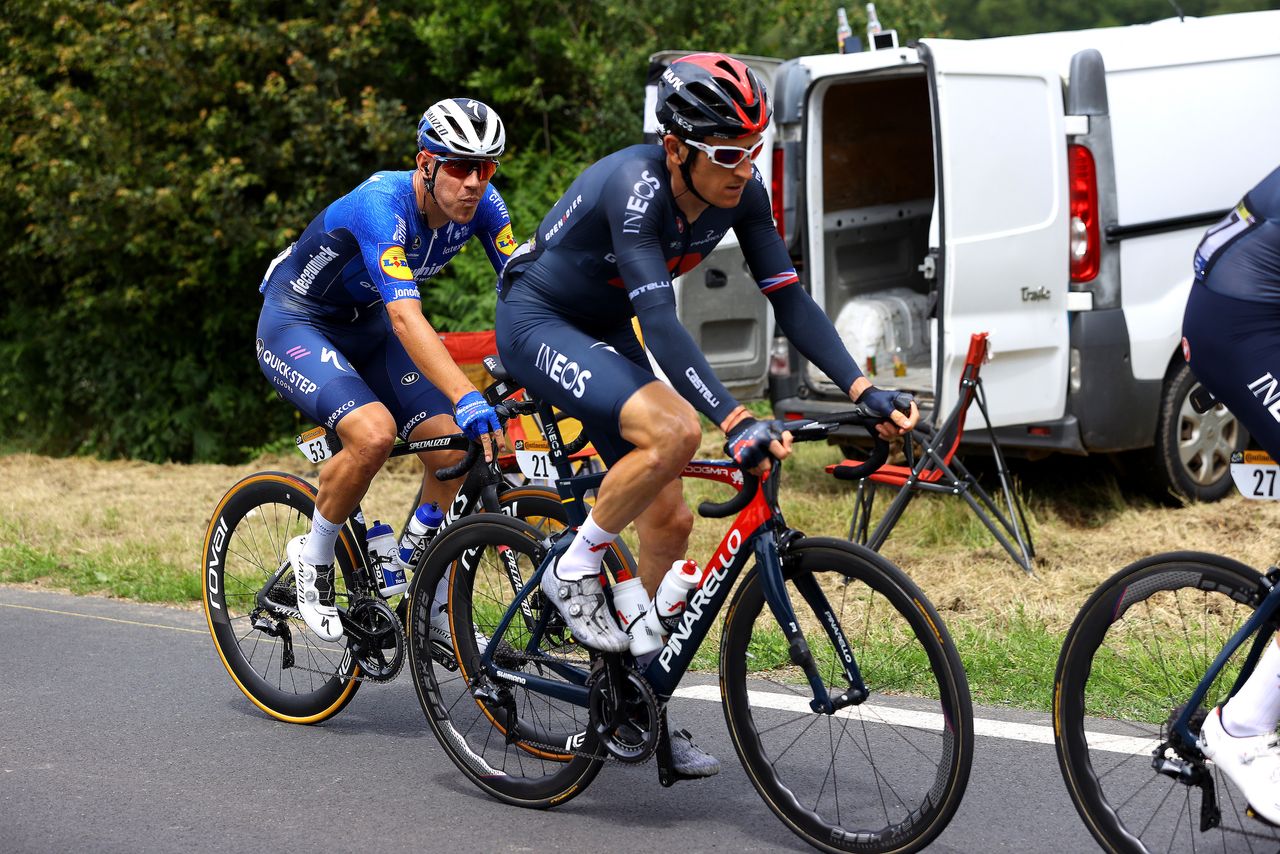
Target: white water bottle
631,603
385,560
669,602
422,526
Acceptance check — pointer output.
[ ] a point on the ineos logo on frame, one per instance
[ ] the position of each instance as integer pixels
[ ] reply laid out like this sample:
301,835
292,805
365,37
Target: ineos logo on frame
410,378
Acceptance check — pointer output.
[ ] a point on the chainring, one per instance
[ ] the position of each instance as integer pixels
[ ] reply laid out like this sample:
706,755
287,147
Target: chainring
376,638
630,734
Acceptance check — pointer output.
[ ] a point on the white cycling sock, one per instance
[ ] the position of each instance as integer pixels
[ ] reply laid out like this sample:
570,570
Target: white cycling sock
585,552
1255,709
318,549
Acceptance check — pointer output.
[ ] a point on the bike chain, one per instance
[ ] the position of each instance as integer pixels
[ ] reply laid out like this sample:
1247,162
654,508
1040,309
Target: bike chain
280,609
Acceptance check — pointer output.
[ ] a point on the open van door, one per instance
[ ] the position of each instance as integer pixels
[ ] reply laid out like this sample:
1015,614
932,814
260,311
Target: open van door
1004,227
718,301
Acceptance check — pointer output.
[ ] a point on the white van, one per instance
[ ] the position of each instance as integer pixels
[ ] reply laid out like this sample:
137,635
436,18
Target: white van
1049,189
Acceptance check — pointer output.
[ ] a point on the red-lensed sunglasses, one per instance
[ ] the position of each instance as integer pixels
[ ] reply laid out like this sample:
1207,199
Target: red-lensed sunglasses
727,156
461,167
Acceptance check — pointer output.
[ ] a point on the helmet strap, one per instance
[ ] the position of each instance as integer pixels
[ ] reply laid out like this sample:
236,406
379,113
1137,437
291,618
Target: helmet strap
688,177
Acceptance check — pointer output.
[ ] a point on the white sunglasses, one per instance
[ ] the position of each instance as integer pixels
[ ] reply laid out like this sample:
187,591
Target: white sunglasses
727,156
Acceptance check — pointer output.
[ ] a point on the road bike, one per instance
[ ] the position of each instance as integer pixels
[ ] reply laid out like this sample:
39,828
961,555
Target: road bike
249,593
1154,649
842,690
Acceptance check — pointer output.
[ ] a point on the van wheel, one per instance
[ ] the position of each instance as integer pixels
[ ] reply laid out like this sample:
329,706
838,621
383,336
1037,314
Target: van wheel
1192,454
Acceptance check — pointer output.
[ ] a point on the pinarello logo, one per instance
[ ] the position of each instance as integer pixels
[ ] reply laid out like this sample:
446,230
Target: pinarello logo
410,378
1186,350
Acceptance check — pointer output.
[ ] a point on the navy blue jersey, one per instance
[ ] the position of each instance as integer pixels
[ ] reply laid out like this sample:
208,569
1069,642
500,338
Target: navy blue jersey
617,238
609,249
373,245
1239,257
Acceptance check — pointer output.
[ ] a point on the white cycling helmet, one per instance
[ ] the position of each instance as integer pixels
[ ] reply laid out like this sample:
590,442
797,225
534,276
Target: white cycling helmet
462,127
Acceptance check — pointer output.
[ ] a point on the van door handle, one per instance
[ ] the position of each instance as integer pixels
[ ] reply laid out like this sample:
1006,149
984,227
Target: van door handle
717,278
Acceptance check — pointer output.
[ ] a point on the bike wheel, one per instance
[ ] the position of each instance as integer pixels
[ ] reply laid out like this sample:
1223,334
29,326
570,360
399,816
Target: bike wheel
1133,657
523,747
886,775
243,548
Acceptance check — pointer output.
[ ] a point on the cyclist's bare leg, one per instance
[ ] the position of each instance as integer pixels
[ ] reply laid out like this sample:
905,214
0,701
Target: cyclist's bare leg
441,493
367,435
665,431
663,530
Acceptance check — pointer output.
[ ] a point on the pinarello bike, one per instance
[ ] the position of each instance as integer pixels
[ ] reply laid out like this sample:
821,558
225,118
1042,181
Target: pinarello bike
845,698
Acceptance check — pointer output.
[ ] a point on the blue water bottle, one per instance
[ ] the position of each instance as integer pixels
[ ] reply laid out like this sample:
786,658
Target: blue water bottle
424,523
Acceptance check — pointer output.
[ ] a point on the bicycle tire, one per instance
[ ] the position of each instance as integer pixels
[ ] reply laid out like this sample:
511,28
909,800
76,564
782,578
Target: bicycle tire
243,546
908,757
530,769
1122,675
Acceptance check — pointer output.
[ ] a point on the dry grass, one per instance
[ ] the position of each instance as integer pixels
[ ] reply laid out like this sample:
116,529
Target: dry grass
135,529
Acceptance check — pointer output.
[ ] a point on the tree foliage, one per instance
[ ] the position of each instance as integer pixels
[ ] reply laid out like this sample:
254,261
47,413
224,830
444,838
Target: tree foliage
156,154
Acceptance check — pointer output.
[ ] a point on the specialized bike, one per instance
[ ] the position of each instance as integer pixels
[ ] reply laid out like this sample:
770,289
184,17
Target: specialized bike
843,693
1151,653
249,593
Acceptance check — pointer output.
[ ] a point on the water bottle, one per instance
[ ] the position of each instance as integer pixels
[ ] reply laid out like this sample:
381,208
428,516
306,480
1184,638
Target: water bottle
844,32
673,594
631,603
386,560
422,526
873,24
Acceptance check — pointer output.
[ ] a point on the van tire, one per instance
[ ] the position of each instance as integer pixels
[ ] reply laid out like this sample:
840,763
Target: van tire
1191,459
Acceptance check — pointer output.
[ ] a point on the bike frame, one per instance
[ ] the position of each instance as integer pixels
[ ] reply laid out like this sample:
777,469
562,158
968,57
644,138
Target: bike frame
758,530
1264,613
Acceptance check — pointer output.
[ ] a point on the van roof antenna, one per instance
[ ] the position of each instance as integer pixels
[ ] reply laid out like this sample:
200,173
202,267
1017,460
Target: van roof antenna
1178,9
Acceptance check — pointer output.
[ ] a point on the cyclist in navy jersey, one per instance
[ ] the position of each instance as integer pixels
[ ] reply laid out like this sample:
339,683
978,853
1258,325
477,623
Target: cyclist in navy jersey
342,334
1231,340
607,252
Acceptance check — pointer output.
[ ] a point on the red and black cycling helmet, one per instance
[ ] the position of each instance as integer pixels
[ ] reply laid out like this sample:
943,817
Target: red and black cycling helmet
710,94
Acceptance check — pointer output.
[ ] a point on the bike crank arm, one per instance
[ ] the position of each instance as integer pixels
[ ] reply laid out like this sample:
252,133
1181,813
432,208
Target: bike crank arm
769,566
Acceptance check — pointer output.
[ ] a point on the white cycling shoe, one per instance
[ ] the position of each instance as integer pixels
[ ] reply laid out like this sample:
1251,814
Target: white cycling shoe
315,593
443,636
1251,763
582,604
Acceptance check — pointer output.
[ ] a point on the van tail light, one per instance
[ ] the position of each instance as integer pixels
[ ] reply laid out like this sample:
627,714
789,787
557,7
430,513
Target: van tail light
780,358
1086,247
777,192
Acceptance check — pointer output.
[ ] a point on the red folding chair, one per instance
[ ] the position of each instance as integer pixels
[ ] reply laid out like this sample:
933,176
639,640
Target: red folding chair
937,469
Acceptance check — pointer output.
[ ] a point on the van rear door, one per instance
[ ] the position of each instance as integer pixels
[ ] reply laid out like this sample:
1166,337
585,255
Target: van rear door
718,301
1002,163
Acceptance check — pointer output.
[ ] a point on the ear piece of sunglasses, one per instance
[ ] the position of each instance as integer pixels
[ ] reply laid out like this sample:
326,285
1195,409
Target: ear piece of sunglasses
727,156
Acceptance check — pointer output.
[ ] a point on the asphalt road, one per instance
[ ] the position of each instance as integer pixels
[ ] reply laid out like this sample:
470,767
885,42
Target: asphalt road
121,731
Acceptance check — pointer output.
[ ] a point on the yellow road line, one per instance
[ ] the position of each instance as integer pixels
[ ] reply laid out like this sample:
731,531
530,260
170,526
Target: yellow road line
108,619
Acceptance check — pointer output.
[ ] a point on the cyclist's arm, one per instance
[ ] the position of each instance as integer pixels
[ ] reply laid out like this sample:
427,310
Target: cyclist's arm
638,248
802,320
387,266
494,229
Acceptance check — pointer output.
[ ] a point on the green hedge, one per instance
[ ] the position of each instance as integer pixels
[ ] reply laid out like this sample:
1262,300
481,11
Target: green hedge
156,154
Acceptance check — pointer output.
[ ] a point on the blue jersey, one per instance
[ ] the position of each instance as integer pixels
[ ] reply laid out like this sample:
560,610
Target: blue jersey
373,245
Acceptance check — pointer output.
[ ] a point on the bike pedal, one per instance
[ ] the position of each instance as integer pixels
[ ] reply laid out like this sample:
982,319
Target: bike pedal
443,656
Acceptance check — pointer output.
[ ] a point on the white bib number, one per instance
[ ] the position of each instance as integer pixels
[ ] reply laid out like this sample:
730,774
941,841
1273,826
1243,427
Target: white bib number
534,459
1256,475
314,445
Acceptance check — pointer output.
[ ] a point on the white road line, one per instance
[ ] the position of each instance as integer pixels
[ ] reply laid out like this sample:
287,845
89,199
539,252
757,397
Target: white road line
928,720
105,619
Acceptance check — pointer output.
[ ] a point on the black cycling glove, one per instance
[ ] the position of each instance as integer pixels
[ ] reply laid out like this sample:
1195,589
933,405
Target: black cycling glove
883,401
748,440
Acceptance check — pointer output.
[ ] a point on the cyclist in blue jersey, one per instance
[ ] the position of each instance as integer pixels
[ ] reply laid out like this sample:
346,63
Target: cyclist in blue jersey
607,252
342,334
1231,340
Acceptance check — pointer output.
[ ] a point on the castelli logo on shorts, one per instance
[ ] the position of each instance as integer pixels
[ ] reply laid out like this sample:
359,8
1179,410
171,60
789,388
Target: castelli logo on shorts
260,345
410,378
1186,349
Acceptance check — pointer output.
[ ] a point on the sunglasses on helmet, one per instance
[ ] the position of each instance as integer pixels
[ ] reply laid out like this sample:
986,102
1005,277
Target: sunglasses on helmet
727,156
461,167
